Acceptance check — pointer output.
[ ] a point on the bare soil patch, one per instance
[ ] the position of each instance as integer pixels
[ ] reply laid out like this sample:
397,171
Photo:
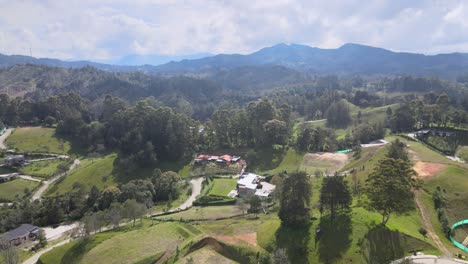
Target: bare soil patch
250,239
327,160
428,170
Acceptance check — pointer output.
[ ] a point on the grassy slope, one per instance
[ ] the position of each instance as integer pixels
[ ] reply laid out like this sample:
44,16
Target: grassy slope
127,245
208,212
42,169
37,139
223,186
9,190
368,115
462,153
92,171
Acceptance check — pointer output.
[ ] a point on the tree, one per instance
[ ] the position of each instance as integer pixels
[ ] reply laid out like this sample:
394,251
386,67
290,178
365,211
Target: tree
295,200
276,132
389,188
255,205
49,121
334,195
8,253
241,205
397,150
133,209
403,119
115,214
338,115
165,184
280,256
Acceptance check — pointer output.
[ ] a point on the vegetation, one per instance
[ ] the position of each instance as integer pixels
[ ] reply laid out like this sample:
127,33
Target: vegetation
44,169
91,172
38,139
16,189
222,186
389,188
295,200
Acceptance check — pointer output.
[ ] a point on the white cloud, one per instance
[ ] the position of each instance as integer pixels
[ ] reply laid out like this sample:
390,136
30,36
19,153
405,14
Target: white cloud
108,29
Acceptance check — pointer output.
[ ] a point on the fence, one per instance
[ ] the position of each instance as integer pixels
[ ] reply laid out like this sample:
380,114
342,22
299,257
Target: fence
456,243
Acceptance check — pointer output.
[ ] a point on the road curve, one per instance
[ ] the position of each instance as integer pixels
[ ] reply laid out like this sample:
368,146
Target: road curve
4,137
37,195
35,257
196,190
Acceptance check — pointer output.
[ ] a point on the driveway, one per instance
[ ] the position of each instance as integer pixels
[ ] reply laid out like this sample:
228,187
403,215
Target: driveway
4,137
43,188
29,178
196,190
54,233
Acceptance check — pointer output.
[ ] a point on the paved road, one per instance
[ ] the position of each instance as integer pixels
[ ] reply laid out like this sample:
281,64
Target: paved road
6,204
59,231
43,188
196,190
3,138
35,257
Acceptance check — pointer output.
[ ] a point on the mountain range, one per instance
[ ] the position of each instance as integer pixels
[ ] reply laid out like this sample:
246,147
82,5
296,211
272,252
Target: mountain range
349,59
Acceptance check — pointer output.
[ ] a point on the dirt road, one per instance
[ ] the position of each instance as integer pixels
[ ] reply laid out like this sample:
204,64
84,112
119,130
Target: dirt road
4,137
29,178
43,188
428,226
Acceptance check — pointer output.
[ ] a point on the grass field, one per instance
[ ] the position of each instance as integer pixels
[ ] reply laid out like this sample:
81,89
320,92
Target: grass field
309,162
91,171
42,169
127,245
223,186
37,139
9,190
208,212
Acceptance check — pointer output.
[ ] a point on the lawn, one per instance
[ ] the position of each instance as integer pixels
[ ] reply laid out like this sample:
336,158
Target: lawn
454,183
37,139
223,186
9,190
127,245
42,169
91,172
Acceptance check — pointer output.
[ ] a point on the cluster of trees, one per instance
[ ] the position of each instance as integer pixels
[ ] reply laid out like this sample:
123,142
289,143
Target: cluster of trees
439,205
261,124
431,110
74,205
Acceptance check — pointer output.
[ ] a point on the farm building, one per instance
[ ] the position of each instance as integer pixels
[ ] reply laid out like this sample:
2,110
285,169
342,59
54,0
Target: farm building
21,235
438,133
252,184
8,177
15,160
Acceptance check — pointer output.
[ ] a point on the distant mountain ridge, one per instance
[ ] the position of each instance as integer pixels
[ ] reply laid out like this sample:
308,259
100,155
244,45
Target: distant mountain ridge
349,59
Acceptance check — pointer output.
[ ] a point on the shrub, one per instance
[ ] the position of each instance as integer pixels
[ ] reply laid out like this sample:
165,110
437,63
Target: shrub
214,200
422,231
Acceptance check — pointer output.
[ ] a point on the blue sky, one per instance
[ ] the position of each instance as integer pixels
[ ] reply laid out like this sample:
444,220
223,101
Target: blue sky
108,30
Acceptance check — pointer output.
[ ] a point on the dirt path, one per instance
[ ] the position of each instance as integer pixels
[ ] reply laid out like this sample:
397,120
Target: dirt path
29,178
43,188
4,137
428,226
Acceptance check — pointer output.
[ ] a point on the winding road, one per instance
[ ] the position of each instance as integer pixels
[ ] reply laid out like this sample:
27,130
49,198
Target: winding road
196,190
37,195
3,138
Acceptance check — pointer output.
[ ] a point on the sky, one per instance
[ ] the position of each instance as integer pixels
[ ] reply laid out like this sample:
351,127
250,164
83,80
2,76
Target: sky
107,30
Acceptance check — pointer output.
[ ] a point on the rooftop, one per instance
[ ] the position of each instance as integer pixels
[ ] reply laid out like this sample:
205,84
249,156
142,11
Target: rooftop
22,230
